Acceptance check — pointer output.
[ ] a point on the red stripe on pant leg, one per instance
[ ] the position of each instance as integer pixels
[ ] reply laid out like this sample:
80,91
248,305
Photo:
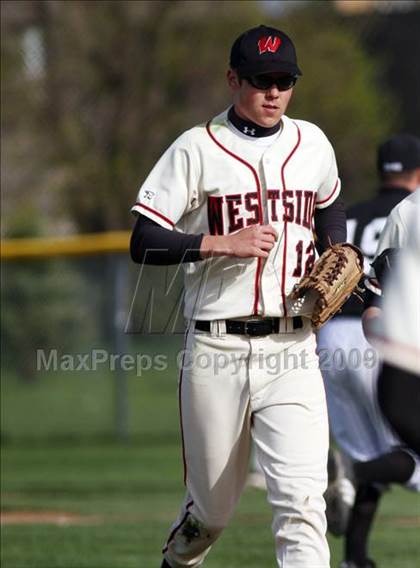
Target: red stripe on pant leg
184,461
176,529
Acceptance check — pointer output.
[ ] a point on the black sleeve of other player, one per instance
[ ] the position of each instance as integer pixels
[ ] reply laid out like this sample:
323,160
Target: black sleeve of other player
153,244
371,299
330,225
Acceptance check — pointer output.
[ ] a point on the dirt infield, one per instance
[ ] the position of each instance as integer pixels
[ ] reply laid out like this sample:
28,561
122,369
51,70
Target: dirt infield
63,518
406,521
47,518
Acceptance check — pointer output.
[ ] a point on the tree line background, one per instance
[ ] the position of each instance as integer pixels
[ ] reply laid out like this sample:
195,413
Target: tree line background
94,91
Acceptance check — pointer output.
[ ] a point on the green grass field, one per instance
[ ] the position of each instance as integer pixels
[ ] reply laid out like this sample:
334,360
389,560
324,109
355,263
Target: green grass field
59,455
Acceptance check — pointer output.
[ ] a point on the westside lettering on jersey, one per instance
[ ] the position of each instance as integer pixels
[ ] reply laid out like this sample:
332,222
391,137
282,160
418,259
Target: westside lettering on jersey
230,213
214,180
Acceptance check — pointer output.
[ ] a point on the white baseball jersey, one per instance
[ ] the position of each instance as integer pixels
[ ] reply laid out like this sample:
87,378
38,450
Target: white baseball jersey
400,224
214,180
398,339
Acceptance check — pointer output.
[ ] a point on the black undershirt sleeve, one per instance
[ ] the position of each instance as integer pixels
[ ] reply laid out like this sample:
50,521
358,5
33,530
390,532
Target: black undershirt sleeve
370,299
330,225
153,244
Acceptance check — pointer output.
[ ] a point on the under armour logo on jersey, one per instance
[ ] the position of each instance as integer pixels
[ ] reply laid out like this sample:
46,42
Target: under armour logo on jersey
250,131
269,44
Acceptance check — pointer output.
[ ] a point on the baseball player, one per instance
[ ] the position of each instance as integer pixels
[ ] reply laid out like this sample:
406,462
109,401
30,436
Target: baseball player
397,335
350,368
237,201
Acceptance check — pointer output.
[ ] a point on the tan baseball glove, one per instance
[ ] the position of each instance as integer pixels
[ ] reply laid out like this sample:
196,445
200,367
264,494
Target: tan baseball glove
333,278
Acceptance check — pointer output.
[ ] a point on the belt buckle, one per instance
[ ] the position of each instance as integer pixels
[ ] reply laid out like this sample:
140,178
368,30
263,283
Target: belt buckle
253,328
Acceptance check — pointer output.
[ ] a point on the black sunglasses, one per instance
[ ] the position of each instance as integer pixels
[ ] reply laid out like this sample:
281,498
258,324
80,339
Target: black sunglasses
264,82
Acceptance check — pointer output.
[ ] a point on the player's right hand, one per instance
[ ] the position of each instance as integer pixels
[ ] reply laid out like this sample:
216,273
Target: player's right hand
254,241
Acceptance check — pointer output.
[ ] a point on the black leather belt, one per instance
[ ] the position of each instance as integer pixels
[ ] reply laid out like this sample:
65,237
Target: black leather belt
254,328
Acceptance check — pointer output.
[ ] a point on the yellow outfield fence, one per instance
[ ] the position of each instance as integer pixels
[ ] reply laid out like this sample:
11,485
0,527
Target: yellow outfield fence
88,244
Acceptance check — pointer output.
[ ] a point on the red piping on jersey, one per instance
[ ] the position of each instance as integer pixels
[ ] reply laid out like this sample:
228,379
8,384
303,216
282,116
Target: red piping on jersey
260,211
283,181
330,195
178,526
156,213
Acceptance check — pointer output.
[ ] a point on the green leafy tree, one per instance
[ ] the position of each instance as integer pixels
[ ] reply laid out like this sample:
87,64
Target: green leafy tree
121,80
342,91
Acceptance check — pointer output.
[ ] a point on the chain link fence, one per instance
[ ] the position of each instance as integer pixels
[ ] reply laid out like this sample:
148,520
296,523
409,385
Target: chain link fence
82,337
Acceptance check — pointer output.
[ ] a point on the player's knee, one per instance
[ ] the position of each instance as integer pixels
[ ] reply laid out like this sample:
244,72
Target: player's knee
297,509
194,529
194,538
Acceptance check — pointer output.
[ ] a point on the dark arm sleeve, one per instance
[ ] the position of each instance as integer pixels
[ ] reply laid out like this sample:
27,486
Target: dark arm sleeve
153,244
330,225
371,300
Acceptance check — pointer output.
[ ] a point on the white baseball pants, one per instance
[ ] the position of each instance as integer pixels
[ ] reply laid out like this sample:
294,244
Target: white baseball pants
233,387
